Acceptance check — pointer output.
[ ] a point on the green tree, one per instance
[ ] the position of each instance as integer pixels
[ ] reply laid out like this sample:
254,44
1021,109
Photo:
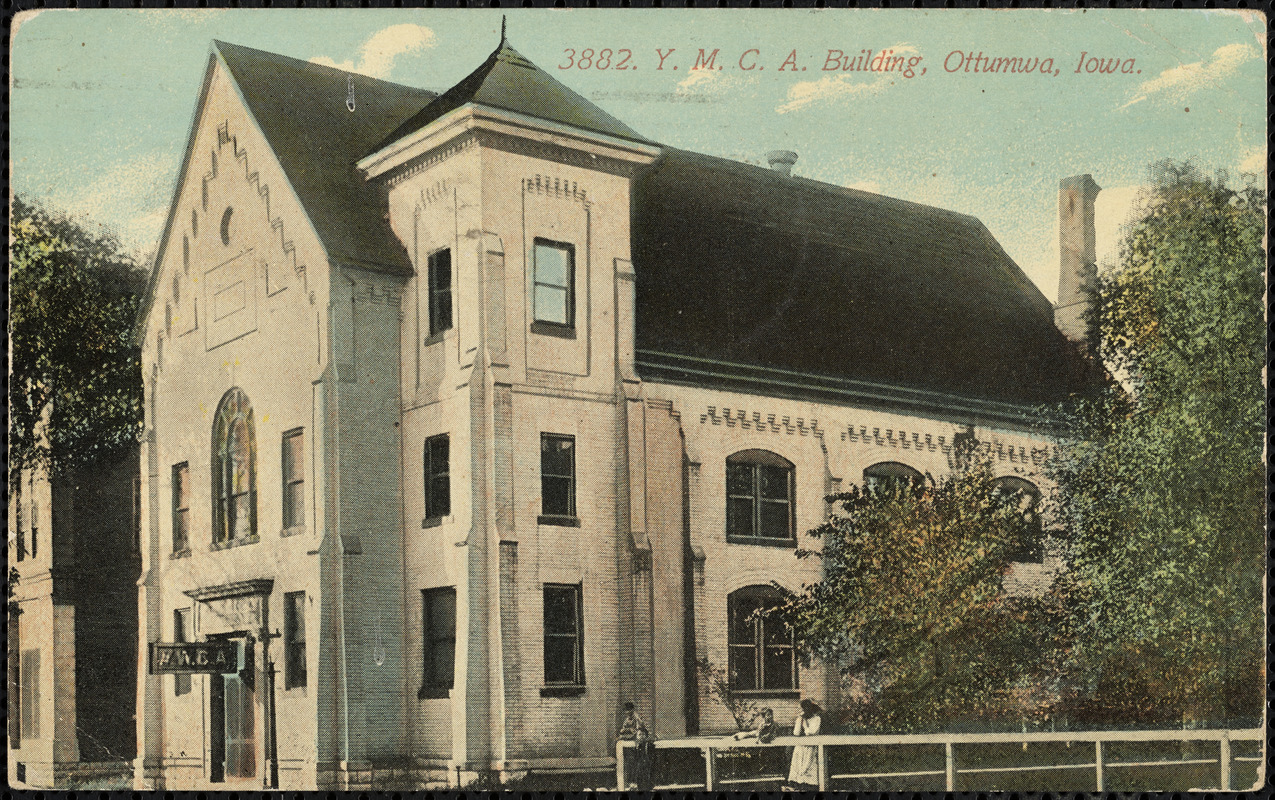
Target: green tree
1161,488
912,611
75,393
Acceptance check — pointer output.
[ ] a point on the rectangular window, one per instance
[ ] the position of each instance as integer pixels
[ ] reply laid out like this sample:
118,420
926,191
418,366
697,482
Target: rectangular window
439,622
137,513
35,526
440,291
13,646
294,640
557,475
30,699
293,479
564,638
20,539
181,633
438,482
762,656
181,508
554,282
759,499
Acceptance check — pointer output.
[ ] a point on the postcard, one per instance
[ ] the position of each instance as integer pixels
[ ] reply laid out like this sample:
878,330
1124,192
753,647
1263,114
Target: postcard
600,399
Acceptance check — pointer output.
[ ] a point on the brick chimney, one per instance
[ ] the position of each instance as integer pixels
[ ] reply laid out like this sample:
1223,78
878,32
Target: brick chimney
1077,255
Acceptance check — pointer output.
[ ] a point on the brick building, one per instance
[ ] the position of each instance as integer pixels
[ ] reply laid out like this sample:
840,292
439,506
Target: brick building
72,625
480,414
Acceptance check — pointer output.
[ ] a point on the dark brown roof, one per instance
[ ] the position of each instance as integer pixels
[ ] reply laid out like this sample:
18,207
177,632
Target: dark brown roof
301,108
507,80
743,265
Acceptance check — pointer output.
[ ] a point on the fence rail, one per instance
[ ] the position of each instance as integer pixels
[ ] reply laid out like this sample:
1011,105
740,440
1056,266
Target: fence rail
711,748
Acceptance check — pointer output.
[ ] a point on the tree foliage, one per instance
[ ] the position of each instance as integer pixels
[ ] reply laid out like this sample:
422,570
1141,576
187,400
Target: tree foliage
73,298
911,607
1162,488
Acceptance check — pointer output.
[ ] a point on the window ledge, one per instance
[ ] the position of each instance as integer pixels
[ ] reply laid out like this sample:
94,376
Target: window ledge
176,554
553,329
434,522
226,545
295,530
433,693
781,694
562,691
561,521
761,541
435,338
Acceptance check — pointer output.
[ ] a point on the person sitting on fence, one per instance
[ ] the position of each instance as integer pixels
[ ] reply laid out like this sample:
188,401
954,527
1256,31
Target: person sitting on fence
640,758
770,759
766,729
803,773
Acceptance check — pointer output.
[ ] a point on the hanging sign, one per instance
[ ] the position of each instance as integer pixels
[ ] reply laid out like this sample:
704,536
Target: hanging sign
185,658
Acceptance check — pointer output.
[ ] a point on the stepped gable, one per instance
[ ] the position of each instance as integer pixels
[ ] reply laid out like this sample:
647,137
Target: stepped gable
745,265
301,108
508,81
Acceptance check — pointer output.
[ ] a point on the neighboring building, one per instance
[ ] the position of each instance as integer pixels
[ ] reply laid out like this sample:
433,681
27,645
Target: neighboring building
479,414
72,625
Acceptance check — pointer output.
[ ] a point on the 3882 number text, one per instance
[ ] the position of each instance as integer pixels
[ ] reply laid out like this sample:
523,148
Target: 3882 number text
588,58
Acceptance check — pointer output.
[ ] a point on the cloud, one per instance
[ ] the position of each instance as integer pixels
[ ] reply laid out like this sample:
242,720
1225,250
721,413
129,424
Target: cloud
1254,160
839,87
1184,79
130,198
376,56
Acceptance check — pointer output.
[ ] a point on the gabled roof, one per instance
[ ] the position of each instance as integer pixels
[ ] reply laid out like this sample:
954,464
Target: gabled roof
301,109
743,265
507,80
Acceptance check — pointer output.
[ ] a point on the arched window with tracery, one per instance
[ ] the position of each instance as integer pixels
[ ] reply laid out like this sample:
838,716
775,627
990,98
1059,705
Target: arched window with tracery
234,471
1025,497
890,473
762,652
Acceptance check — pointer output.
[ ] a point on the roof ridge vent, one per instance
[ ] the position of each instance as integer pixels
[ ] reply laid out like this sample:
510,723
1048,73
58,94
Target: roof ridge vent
781,161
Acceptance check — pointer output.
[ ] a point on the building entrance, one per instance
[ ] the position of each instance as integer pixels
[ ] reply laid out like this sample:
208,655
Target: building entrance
232,716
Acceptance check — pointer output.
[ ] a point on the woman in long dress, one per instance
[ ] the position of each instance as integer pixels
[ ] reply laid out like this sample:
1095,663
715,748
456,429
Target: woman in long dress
803,772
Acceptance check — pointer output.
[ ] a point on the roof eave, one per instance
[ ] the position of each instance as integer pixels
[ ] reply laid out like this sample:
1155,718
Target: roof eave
474,115
148,300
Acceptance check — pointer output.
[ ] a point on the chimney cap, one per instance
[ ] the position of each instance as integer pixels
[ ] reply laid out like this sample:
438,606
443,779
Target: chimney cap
781,160
1083,183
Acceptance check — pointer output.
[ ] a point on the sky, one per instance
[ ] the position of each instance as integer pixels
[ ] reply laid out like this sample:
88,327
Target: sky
101,101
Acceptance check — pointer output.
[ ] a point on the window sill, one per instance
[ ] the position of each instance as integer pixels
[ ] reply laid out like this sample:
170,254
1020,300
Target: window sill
253,539
176,554
561,691
553,329
560,521
435,338
295,530
761,541
433,693
779,694
434,522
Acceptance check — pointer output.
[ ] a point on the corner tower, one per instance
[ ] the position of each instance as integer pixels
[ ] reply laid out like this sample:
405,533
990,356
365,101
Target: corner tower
512,194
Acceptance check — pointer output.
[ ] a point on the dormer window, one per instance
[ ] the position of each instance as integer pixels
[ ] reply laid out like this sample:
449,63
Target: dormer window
554,283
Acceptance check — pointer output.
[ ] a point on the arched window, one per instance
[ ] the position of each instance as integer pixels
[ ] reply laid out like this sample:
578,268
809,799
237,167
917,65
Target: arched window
888,473
762,652
759,498
234,471
1026,498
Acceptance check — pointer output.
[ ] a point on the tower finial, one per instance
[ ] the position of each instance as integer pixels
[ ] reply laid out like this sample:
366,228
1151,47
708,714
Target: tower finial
502,29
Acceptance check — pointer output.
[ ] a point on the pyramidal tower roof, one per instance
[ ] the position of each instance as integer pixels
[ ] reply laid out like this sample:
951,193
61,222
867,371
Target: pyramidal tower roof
507,80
